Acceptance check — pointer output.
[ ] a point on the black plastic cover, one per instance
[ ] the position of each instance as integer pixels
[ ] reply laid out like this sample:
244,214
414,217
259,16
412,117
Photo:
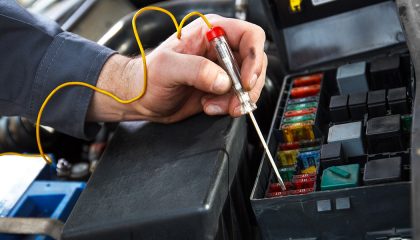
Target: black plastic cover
382,171
336,31
161,181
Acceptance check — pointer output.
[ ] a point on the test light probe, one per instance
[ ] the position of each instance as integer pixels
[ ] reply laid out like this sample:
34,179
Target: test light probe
226,59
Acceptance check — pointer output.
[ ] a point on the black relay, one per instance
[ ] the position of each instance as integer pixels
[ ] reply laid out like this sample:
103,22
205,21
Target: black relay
384,134
357,106
377,103
397,100
332,154
338,108
382,171
385,73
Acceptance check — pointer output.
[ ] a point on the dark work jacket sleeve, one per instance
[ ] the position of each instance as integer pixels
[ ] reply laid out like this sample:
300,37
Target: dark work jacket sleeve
35,57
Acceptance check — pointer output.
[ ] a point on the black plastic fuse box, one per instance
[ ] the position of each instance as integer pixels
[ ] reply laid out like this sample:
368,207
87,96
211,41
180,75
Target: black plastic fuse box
360,198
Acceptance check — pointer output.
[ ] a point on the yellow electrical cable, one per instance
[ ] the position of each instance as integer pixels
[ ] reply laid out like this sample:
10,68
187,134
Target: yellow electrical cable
109,94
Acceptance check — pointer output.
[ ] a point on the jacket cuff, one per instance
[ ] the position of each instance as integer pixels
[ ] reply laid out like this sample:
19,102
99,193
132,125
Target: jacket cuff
69,58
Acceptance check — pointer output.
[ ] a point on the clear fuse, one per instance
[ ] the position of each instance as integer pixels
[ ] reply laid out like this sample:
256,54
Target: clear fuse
228,62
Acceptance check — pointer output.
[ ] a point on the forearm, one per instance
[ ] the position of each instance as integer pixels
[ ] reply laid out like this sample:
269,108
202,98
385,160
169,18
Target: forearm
37,57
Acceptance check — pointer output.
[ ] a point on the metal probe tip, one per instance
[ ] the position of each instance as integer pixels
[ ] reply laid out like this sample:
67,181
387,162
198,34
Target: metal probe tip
267,151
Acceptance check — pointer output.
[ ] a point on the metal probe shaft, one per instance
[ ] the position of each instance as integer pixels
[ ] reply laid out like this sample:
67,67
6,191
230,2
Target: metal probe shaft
267,151
227,60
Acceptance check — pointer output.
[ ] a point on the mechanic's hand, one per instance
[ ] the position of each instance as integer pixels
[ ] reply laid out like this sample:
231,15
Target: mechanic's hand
183,78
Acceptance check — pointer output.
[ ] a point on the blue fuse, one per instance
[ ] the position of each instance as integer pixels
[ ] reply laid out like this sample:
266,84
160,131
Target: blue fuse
309,160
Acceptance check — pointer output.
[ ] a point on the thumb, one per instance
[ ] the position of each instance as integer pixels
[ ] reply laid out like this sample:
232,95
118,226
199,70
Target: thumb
195,71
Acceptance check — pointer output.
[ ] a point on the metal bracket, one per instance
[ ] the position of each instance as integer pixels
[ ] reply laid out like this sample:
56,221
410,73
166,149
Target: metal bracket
32,226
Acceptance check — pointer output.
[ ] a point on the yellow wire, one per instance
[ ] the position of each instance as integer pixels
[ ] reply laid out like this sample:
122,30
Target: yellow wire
109,94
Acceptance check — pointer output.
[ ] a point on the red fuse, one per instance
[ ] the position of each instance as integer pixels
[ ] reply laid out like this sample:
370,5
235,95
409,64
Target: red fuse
301,92
275,187
289,146
300,191
301,183
300,144
302,112
308,80
278,194
305,176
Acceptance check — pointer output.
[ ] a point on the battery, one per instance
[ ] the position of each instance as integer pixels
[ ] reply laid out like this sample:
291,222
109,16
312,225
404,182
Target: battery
303,100
308,80
301,106
296,113
298,131
297,119
288,158
301,92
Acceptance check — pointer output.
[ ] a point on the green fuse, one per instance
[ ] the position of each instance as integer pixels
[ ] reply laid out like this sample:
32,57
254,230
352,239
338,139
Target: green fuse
297,119
301,106
406,123
310,149
287,173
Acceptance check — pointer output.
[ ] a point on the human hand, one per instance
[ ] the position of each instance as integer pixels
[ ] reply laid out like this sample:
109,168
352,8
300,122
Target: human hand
183,79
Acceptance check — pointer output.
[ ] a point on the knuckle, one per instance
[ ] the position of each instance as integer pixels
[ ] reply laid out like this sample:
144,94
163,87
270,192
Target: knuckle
255,95
212,16
259,33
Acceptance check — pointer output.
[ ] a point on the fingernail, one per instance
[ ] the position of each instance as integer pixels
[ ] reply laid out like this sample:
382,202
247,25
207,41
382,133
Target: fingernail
214,109
253,80
222,82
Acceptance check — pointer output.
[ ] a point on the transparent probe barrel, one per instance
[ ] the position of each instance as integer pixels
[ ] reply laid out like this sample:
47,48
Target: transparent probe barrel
228,62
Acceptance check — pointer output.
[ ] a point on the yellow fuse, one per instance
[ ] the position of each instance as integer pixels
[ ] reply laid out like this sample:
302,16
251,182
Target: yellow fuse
298,131
309,170
288,158
295,5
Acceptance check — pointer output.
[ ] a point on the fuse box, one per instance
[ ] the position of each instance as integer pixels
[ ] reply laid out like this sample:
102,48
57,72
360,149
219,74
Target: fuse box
359,183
